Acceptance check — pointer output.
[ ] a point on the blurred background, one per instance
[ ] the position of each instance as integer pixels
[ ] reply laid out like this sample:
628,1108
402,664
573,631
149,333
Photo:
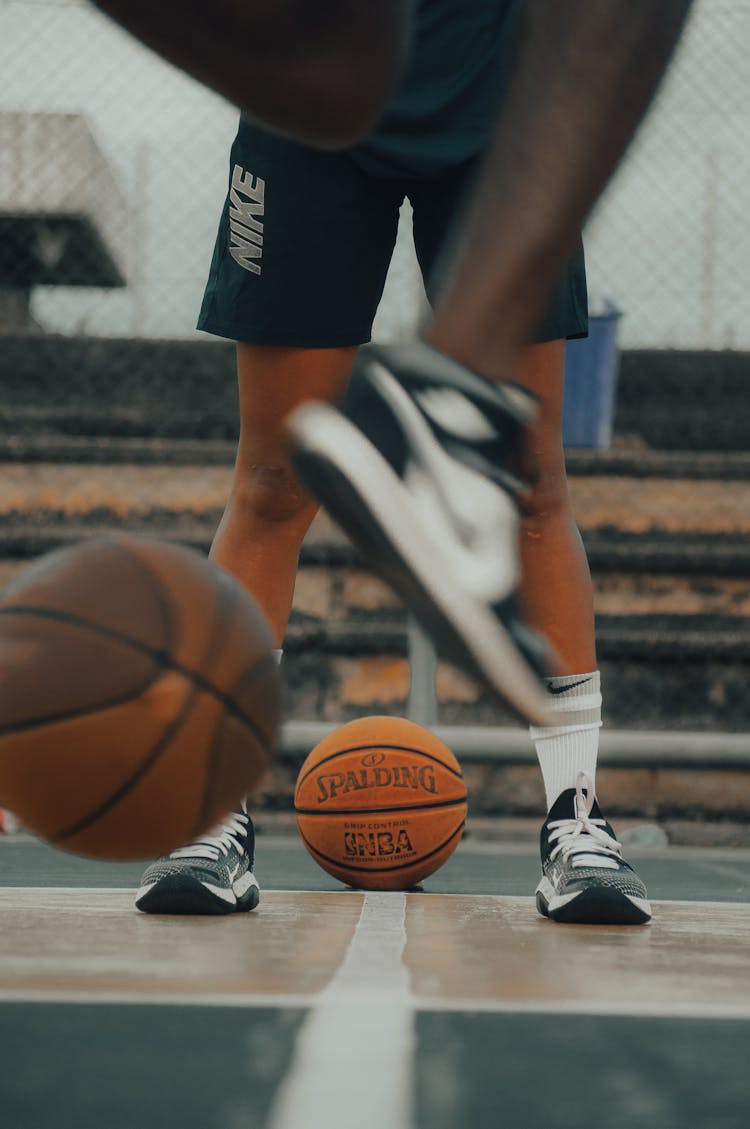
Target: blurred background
144,152
116,413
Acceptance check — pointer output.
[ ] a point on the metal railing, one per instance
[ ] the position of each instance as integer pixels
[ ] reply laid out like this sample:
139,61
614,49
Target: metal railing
619,748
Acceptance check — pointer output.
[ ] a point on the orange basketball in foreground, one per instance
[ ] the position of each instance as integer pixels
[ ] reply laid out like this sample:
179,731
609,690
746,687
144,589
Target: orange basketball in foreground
139,697
381,803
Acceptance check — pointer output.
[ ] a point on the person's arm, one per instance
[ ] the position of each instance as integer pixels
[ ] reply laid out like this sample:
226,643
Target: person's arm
318,70
585,74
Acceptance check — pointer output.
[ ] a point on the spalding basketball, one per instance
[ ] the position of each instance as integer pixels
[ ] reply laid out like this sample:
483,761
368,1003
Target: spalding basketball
139,697
380,803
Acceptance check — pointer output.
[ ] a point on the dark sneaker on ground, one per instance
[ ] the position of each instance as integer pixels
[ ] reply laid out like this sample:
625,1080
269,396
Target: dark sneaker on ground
415,469
212,875
585,879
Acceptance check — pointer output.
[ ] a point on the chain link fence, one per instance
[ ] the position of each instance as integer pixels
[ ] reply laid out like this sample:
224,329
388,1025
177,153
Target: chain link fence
670,241
82,101
669,245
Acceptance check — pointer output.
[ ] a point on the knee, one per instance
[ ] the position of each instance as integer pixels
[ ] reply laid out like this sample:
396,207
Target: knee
338,69
344,109
272,494
546,497
351,66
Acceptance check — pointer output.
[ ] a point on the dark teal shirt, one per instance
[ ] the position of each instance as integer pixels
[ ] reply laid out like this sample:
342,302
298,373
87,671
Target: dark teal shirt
445,108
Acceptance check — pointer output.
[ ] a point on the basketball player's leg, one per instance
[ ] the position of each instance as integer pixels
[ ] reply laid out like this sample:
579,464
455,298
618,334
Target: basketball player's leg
299,301
321,73
485,430
269,511
585,74
555,592
586,879
258,541
417,468
298,307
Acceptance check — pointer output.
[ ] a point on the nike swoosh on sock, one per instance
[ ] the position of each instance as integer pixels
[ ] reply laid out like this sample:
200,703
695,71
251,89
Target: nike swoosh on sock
568,686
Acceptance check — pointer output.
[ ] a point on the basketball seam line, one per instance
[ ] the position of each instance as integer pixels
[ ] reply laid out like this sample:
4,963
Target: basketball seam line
315,813
159,656
83,711
395,748
383,869
197,676
154,582
126,786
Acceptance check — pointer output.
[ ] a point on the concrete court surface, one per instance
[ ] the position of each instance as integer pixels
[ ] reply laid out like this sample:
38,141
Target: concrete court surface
455,1007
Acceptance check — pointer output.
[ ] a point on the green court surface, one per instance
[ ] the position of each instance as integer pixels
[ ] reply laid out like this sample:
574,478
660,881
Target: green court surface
645,1027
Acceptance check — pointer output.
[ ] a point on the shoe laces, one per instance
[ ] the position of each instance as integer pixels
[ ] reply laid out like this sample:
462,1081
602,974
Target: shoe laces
219,841
583,834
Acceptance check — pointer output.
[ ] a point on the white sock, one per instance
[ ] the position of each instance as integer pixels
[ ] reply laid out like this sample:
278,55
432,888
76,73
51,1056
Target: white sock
565,750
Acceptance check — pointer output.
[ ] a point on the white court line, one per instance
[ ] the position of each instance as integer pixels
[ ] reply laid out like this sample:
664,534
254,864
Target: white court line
352,1061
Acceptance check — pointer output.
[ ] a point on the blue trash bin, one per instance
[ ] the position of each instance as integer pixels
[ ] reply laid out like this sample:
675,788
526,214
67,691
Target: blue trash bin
591,366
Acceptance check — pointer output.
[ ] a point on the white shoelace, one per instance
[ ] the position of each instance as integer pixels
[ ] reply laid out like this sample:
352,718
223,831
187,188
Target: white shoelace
583,834
219,841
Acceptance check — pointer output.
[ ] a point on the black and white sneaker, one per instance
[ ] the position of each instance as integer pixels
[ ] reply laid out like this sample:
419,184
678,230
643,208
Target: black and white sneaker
212,875
585,879
414,467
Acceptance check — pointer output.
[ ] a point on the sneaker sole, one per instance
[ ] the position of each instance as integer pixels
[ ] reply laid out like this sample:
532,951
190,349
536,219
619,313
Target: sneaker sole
188,895
361,492
596,906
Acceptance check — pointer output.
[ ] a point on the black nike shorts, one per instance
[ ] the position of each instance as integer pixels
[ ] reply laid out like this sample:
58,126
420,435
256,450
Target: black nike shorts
306,238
